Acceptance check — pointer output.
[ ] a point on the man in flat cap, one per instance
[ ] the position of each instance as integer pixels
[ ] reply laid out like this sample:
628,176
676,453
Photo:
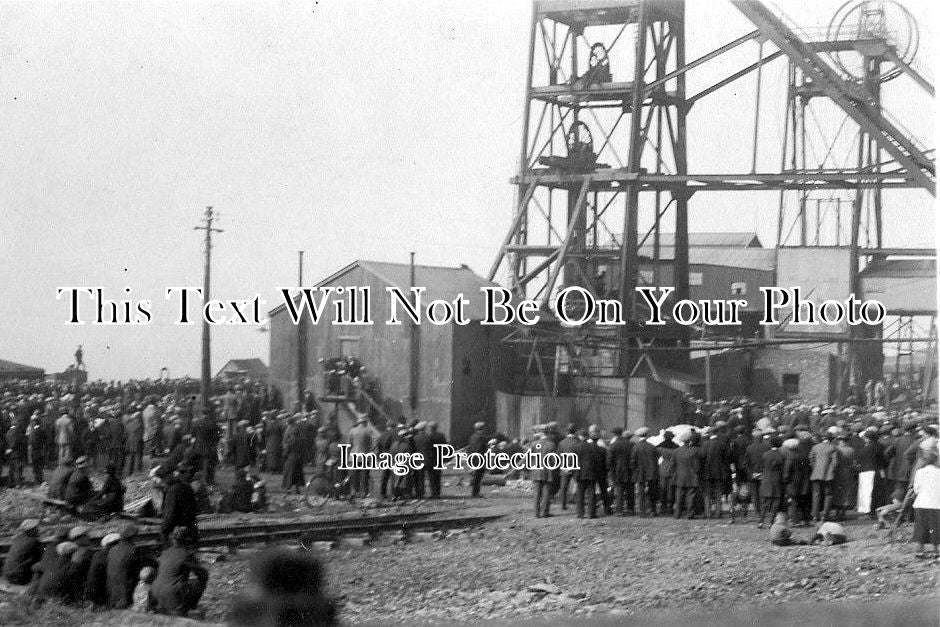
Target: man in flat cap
823,459
96,581
25,551
179,504
79,489
124,563
619,452
477,444
361,441
542,478
688,460
644,466
434,437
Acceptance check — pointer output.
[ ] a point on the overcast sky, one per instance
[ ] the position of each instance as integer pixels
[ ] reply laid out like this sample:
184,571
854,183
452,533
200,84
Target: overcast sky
349,130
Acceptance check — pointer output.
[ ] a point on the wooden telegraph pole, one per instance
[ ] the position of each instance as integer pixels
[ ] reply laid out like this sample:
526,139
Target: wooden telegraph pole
206,226
301,336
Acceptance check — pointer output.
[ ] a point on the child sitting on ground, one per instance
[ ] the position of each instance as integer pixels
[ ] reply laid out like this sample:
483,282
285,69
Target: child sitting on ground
142,600
830,533
780,534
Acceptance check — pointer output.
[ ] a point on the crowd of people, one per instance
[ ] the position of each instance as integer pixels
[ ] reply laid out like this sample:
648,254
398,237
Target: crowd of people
789,463
111,573
159,431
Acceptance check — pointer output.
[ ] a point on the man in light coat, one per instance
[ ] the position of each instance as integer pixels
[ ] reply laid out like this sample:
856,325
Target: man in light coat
823,459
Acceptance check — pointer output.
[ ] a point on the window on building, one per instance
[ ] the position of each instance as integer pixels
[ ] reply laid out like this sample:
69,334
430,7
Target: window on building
791,383
695,278
739,288
646,277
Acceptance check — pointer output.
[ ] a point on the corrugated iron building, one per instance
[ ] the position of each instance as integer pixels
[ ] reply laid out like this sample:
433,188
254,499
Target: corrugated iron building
456,364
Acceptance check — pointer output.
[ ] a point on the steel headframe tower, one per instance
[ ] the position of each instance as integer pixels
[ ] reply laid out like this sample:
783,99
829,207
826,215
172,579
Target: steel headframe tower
604,153
603,104
842,80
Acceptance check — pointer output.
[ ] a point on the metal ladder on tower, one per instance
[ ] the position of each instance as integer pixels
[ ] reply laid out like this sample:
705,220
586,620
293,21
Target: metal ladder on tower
849,97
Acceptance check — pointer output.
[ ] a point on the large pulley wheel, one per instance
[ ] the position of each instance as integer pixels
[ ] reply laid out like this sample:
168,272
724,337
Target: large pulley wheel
873,20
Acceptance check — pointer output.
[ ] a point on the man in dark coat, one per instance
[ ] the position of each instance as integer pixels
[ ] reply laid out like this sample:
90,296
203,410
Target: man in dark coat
688,460
56,579
435,437
716,469
644,468
667,473
567,445
110,499
81,562
293,477
241,452
24,553
383,445
181,579
361,441
134,443
477,444
124,563
96,581
796,473
618,461
600,463
49,556
273,434
179,504
17,451
79,489
116,440
771,484
204,444
754,461
587,470
37,440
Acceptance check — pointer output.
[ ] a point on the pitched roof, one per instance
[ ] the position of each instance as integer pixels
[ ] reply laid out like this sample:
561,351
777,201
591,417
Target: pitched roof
12,366
253,366
751,258
441,282
710,240
901,268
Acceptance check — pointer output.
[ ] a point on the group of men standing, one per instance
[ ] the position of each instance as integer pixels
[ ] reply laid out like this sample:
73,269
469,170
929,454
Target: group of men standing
809,476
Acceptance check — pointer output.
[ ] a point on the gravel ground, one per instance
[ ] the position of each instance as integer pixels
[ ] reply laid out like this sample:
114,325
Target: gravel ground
522,567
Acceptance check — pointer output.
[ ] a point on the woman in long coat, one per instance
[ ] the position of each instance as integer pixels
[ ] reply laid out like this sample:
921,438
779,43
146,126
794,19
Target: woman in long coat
294,458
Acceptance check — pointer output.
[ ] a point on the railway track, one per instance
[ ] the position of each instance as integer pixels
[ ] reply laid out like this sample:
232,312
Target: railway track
309,531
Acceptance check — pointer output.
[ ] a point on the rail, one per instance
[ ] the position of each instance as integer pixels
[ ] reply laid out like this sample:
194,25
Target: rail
310,531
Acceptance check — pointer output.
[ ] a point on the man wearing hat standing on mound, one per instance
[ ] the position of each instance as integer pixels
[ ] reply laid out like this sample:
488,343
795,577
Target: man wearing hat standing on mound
25,551
477,444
